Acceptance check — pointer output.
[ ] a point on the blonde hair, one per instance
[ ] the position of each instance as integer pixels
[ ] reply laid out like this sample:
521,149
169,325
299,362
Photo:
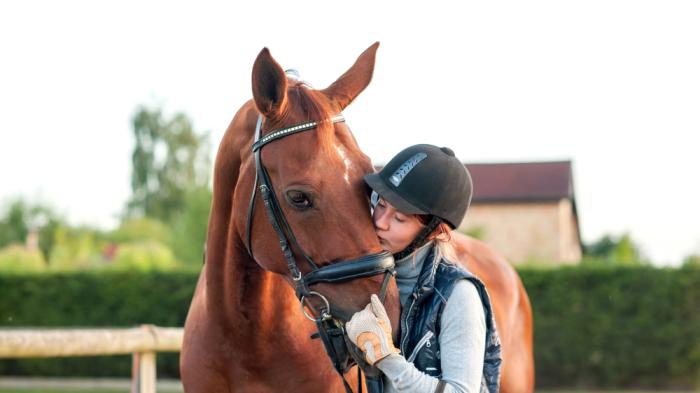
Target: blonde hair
442,237
444,246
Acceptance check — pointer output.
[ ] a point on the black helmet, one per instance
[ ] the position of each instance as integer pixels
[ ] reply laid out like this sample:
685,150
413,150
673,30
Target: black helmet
425,179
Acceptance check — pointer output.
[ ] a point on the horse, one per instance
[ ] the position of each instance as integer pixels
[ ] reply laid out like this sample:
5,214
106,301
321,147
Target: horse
511,308
245,331
289,226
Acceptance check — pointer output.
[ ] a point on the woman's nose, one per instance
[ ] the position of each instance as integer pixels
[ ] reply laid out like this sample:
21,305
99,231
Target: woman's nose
381,220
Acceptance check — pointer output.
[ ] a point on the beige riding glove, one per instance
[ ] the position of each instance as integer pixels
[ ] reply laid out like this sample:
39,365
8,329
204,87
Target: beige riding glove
370,330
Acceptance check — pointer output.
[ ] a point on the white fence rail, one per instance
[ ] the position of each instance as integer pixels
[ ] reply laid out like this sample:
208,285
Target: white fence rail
142,342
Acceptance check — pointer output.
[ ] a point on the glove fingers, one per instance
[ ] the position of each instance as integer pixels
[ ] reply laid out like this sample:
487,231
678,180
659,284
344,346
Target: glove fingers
378,309
370,330
360,317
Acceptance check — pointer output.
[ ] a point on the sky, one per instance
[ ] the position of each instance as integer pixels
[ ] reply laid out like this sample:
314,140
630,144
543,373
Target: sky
613,86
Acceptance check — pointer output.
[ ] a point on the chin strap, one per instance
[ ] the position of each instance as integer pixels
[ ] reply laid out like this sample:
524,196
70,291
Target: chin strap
420,240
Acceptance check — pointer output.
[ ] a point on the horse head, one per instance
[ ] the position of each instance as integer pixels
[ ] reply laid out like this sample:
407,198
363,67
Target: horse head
308,214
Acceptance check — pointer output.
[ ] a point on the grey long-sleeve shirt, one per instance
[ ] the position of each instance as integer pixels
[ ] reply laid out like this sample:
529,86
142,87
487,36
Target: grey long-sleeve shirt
462,339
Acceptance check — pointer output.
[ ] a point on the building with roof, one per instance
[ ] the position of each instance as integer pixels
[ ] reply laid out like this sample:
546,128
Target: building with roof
526,211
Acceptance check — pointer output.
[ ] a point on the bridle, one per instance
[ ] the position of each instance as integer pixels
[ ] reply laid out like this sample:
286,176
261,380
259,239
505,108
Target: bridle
330,329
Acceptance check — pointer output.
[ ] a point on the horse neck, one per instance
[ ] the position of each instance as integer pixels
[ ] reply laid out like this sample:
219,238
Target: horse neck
258,310
238,290
249,298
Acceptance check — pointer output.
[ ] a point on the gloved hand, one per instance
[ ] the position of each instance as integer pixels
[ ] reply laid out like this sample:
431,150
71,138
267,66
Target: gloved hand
370,330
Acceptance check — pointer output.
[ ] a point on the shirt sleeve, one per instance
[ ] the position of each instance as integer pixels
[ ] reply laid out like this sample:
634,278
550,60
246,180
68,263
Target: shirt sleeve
462,343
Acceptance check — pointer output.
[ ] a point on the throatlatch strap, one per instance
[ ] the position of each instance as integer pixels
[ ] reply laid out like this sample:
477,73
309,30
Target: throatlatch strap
323,333
387,277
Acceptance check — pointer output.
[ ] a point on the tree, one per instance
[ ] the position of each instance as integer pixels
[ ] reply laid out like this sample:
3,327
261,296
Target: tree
77,248
169,159
15,258
691,261
601,248
14,226
617,250
140,229
147,255
190,227
21,217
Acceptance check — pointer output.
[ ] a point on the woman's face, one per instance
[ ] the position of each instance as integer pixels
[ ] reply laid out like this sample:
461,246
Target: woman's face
395,229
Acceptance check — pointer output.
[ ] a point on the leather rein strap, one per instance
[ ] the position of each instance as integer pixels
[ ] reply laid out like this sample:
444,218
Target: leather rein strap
330,330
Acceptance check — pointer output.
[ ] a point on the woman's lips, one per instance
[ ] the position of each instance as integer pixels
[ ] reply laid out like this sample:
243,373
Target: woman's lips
385,244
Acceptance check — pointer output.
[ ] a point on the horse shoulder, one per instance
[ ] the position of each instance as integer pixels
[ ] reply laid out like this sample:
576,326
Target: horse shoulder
500,278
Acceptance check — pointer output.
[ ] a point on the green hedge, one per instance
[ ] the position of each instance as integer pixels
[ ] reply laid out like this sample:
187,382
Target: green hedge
93,299
616,327
594,327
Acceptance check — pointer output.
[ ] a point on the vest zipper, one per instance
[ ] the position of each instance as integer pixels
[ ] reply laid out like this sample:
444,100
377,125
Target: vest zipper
405,329
423,341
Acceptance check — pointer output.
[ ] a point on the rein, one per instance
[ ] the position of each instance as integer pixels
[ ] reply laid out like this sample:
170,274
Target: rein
331,330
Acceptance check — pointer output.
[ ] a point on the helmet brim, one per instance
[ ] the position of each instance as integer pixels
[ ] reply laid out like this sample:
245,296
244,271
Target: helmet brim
375,182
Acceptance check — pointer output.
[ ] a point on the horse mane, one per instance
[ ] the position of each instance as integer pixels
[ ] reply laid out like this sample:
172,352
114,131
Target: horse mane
314,107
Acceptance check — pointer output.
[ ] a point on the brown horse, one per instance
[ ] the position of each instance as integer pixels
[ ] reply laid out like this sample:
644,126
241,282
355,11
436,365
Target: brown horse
245,331
511,307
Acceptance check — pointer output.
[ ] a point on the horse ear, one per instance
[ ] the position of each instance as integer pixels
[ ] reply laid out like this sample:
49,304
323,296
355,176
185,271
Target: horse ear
344,90
269,85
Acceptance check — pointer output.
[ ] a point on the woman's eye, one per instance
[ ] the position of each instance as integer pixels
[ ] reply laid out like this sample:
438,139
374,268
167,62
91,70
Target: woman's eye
399,219
299,199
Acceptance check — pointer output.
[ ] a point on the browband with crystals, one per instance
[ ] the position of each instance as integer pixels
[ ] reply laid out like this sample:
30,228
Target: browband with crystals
277,134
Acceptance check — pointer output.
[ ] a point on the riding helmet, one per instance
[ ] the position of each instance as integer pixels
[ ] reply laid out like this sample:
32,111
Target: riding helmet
425,179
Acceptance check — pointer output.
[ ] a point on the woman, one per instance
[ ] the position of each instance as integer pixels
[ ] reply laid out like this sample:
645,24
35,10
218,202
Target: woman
448,340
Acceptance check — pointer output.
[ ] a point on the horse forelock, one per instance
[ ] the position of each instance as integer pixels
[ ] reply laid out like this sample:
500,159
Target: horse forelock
312,105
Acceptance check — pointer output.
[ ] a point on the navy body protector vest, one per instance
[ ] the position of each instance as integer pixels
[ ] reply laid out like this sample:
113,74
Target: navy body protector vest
420,320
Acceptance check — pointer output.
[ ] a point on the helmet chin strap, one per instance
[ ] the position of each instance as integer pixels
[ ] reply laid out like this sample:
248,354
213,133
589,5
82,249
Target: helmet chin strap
420,240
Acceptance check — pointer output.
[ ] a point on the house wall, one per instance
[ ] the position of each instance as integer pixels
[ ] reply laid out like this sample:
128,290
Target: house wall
543,232
569,238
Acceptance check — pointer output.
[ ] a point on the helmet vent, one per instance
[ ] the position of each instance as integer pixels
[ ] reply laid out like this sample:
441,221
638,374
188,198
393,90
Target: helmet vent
405,168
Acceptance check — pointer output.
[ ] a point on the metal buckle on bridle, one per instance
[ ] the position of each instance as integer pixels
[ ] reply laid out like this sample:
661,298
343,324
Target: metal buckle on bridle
325,312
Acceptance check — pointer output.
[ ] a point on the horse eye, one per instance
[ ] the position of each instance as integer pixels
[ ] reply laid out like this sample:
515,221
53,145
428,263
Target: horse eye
299,199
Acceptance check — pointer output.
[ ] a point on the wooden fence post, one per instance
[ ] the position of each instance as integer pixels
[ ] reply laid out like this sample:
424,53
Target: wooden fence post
143,372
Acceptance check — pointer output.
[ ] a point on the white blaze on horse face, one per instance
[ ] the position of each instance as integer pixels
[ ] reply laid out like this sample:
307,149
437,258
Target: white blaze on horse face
346,161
